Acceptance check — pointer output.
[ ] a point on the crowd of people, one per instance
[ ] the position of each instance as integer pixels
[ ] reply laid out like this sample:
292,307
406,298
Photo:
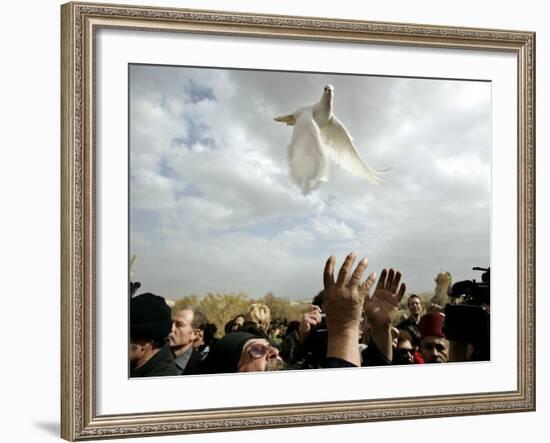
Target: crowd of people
352,322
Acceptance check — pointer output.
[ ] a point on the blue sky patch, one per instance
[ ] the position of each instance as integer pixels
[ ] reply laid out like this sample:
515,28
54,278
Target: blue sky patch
197,93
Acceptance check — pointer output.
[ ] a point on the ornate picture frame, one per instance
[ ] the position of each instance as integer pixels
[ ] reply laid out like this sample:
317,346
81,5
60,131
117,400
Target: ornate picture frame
81,23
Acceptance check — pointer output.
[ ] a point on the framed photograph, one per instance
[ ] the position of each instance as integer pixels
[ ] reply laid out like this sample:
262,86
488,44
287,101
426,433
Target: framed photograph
225,165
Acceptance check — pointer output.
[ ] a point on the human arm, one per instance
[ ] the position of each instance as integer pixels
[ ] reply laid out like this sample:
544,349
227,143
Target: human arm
343,304
308,322
293,347
381,308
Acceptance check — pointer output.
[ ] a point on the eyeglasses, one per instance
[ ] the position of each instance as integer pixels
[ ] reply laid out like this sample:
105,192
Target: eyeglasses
405,351
258,350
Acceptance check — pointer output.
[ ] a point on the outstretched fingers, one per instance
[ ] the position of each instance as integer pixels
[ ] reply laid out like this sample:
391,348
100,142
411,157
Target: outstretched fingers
328,274
382,280
345,270
367,284
395,282
355,279
389,280
365,287
401,292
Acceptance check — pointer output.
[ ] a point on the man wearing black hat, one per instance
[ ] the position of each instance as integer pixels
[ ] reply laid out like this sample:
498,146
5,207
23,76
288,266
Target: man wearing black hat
150,324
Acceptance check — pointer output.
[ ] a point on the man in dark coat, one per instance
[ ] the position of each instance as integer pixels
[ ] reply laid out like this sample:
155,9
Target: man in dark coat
410,324
150,323
188,323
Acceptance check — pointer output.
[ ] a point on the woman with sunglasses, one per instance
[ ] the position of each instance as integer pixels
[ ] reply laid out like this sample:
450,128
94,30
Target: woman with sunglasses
242,352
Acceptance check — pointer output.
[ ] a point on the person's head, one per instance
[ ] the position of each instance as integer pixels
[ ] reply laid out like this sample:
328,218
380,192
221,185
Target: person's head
405,347
183,332
242,352
258,355
276,330
394,336
200,322
415,305
238,323
210,333
150,324
228,328
259,314
434,346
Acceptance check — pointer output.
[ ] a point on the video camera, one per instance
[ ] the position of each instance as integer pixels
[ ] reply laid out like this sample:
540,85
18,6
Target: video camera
475,293
469,321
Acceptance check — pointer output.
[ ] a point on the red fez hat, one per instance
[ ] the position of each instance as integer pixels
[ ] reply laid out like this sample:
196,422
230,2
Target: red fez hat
432,324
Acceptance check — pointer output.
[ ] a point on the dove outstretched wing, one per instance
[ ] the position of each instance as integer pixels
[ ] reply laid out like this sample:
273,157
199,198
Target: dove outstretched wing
339,146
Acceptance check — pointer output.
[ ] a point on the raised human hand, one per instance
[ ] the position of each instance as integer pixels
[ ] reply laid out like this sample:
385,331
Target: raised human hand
343,301
380,309
343,304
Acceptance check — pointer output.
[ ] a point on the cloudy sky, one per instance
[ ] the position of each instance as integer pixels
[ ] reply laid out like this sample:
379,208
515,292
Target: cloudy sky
213,209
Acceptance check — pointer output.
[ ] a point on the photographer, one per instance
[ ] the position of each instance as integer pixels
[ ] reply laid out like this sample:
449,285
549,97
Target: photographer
305,347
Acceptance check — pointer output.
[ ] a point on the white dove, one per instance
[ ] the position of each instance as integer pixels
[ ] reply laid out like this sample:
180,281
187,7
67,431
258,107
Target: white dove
317,135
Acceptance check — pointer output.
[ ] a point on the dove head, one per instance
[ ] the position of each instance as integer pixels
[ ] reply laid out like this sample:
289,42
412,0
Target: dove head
328,96
329,90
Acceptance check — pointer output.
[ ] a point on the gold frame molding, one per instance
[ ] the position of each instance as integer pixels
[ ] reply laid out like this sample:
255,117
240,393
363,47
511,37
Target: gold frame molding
79,23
